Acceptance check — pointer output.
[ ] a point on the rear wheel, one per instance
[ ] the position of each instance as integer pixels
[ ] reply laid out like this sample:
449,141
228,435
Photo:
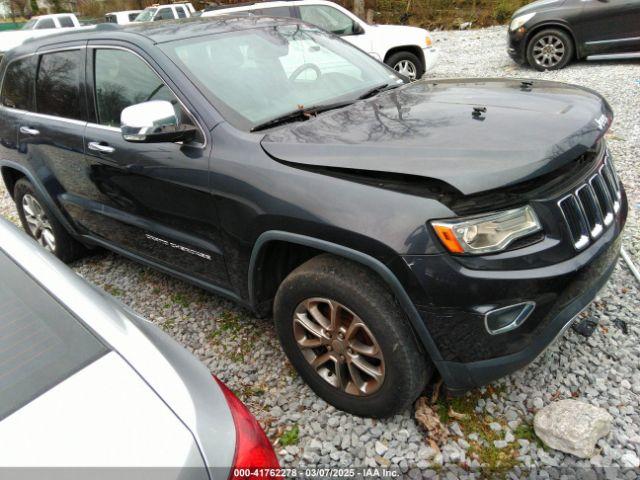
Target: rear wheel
349,340
38,221
550,49
407,64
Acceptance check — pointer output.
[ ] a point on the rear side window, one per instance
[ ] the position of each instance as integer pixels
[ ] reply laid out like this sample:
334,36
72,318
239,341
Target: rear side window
45,23
18,83
110,19
41,343
132,16
328,18
65,22
58,84
181,13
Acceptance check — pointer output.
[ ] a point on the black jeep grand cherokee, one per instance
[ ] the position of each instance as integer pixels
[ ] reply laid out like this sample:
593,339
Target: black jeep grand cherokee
395,229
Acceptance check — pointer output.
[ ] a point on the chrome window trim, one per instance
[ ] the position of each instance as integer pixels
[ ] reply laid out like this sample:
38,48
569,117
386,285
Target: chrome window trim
193,117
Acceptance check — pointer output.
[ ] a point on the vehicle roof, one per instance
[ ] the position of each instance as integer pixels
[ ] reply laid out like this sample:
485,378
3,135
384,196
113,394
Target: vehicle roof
156,32
266,3
51,15
122,11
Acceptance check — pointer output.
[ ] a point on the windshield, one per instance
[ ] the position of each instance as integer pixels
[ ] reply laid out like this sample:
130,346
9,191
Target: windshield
30,24
146,15
256,75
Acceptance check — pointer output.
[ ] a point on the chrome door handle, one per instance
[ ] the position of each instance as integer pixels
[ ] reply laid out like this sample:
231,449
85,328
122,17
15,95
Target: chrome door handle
29,131
98,147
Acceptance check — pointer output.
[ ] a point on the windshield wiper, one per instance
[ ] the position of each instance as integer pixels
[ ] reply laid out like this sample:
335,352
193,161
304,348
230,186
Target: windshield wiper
300,114
376,90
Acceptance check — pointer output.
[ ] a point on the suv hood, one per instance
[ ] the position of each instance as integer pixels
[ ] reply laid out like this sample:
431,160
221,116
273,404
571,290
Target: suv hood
430,130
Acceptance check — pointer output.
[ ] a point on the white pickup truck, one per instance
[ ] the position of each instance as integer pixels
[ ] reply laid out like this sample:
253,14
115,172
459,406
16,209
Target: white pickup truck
37,27
408,50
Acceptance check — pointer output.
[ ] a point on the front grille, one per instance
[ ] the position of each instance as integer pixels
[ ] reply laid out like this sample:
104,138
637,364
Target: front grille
592,207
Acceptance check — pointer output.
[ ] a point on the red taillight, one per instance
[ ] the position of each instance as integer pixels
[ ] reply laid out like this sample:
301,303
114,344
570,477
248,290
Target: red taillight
254,454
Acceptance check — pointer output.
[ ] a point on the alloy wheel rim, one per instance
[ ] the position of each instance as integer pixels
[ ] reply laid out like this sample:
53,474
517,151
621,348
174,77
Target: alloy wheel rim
38,222
406,68
339,346
548,51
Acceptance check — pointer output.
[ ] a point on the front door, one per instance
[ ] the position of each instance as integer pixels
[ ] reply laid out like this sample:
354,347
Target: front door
609,27
150,199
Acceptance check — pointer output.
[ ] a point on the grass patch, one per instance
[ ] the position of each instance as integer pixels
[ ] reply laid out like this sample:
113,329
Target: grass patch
113,290
290,437
180,299
494,461
232,326
527,432
168,324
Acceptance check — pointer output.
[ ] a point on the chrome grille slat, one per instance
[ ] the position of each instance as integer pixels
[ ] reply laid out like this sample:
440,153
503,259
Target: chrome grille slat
592,206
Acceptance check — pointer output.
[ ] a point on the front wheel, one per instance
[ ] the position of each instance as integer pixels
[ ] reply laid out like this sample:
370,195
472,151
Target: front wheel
348,339
407,64
550,49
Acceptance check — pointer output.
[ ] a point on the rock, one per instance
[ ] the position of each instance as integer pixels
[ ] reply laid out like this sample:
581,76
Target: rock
495,426
572,426
629,460
381,448
500,444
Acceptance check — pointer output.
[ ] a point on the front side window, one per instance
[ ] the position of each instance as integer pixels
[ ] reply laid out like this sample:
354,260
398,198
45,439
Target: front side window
30,24
58,84
123,79
18,83
255,75
327,18
45,23
164,14
133,16
65,22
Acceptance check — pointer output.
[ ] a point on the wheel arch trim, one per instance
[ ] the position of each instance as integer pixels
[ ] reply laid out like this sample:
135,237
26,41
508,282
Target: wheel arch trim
374,264
37,184
553,24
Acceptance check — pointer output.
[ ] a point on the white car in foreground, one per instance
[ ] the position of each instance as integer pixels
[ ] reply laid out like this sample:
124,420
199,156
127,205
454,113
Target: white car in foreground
408,50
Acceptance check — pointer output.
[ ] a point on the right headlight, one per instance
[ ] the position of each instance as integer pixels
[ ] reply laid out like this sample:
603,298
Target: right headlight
520,20
486,233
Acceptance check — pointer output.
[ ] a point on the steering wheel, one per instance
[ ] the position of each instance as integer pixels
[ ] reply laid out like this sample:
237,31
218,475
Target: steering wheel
305,66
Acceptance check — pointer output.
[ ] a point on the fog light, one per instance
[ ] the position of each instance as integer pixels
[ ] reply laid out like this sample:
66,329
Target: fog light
508,318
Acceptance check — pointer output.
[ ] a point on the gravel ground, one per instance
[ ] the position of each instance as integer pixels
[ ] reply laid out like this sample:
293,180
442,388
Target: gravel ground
603,370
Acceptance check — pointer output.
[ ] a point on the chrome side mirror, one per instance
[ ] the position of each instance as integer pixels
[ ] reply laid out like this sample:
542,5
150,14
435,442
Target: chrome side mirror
153,122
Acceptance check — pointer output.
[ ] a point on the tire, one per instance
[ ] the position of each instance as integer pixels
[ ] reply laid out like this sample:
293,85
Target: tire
40,223
560,53
401,369
398,59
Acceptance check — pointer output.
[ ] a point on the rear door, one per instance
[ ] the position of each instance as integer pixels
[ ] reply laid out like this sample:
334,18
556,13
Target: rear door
164,13
16,101
609,27
151,199
50,132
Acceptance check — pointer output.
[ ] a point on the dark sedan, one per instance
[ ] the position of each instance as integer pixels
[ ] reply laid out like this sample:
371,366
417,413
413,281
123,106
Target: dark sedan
548,34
